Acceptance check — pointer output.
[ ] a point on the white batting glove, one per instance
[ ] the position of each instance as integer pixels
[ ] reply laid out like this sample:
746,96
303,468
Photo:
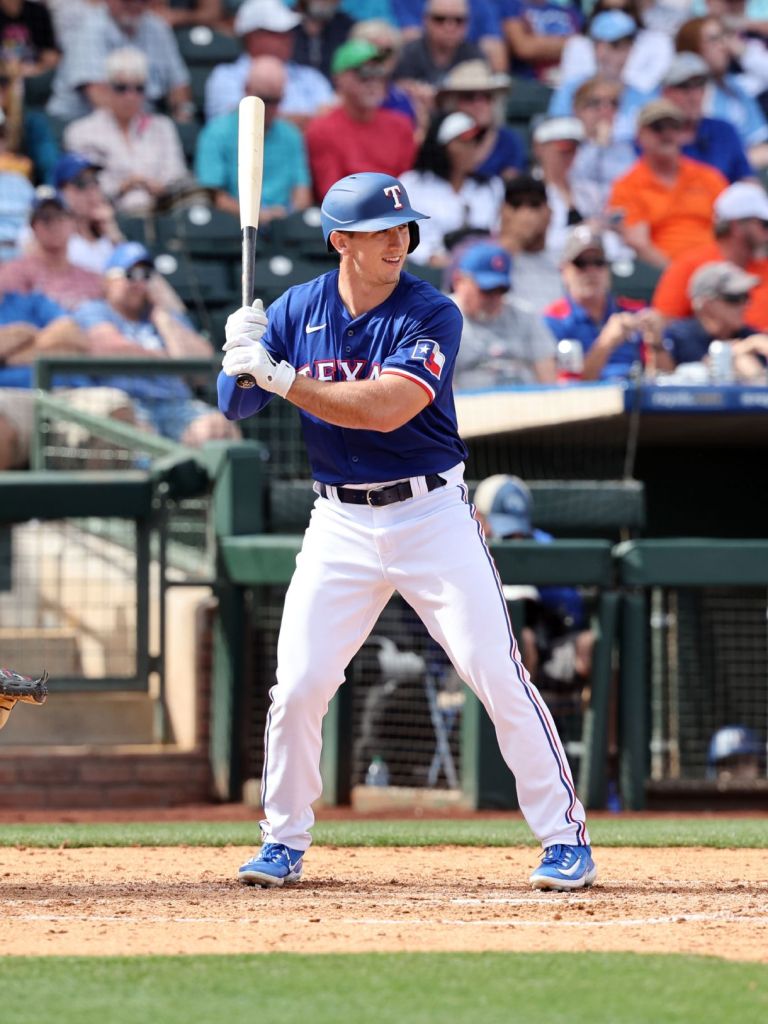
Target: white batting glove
246,326
253,359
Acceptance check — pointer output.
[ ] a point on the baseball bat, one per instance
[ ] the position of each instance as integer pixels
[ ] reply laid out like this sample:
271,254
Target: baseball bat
250,172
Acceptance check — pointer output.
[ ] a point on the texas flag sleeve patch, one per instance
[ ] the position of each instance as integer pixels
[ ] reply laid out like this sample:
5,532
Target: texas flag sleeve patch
428,352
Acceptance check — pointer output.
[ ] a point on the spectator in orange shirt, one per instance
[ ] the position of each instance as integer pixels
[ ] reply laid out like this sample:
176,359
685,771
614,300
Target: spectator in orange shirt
358,135
665,198
741,237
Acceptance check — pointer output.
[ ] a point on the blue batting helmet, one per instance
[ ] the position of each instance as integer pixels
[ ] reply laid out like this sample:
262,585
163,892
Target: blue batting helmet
733,741
368,202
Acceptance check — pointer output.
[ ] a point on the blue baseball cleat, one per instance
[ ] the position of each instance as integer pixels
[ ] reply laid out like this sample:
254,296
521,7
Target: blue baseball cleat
565,867
275,865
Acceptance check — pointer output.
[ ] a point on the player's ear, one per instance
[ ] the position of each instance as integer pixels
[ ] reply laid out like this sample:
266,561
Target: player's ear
339,241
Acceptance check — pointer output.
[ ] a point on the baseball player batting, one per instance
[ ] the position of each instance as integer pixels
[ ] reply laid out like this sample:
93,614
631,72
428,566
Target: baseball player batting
366,353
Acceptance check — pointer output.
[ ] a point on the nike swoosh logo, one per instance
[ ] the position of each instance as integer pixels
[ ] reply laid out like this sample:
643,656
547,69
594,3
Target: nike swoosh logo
311,330
572,869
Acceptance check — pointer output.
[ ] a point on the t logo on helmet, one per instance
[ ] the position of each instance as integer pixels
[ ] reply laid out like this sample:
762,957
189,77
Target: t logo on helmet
394,191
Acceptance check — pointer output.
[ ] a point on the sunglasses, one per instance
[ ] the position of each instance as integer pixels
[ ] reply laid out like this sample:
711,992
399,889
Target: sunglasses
49,216
499,290
692,83
123,87
659,127
84,181
444,19
601,101
139,273
735,300
272,101
473,97
534,202
585,264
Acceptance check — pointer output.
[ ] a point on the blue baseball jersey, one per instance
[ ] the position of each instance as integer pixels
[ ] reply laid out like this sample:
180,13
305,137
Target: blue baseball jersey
415,334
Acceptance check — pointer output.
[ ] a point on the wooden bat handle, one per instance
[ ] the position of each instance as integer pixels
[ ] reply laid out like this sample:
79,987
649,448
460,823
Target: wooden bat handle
245,380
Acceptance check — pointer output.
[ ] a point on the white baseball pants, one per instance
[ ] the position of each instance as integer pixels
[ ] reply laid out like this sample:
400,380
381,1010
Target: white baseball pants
433,552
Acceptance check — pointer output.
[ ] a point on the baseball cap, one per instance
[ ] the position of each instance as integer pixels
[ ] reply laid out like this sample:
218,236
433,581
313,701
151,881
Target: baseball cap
741,200
127,255
46,196
683,67
457,125
579,240
659,110
559,129
69,166
269,15
506,503
610,26
718,280
474,76
353,54
488,264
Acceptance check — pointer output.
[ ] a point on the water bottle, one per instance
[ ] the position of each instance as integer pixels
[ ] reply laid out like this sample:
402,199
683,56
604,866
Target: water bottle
570,359
720,362
378,773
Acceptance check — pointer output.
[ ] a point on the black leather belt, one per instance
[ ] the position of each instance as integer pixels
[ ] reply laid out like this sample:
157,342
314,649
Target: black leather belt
378,496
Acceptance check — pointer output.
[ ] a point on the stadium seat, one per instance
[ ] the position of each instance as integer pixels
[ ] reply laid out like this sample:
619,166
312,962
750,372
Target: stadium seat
200,282
432,274
188,132
277,272
299,232
198,76
633,279
526,99
134,229
199,230
201,46
37,90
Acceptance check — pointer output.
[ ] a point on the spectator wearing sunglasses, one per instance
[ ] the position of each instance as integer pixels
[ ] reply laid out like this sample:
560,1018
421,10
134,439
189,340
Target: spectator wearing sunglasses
613,34
474,89
711,140
719,295
600,158
615,333
740,223
666,198
503,341
525,218
96,232
649,55
79,85
725,96
443,184
46,267
556,141
139,153
133,320
358,134
287,184
442,44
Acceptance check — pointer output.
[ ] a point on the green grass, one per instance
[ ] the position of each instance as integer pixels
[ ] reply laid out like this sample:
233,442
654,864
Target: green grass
718,832
473,988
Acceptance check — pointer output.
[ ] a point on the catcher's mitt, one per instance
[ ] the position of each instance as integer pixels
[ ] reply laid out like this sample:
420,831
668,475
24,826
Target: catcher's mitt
25,688
15,687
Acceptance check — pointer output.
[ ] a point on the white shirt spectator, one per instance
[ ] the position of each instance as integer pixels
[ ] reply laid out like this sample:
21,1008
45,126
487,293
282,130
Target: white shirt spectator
476,205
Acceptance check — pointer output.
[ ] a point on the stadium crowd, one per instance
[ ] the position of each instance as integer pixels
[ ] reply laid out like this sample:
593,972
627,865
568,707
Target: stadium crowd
594,173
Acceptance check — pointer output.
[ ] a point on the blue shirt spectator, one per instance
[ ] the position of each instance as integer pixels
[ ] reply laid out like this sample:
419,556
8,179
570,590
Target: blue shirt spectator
568,319
32,308
717,143
16,195
526,19
285,160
